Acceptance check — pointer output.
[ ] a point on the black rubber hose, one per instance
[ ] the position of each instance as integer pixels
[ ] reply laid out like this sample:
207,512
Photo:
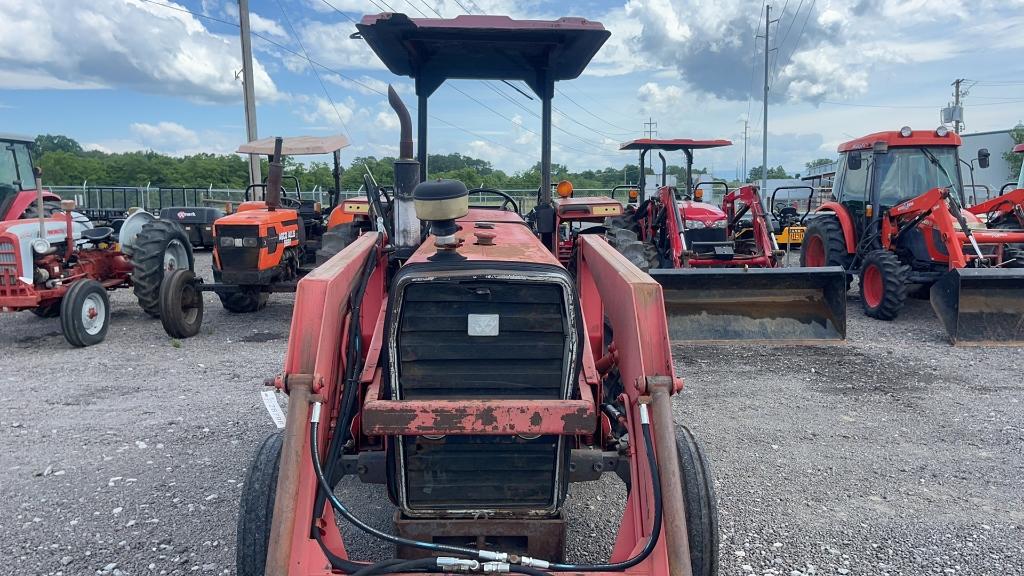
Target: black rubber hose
398,566
655,531
337,562
341,509
375,568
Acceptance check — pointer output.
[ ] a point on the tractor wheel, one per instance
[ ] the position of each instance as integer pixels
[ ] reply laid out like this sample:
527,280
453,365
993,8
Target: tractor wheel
49,208
256,513
244,300
701,507
48,310
1014,257
181,304
335,240
825,245
883,284
161,246
85,313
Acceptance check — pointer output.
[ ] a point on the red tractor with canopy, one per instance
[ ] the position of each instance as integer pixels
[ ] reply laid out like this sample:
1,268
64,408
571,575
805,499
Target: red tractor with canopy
468,369
900,223
719,265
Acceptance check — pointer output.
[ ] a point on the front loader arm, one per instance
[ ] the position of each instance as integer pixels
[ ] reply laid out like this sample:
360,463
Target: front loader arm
1012,201
932,204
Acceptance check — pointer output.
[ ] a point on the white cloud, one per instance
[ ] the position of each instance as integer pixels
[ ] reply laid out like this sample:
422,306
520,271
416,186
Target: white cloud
387,120
320,111
657,98
163,135
101,44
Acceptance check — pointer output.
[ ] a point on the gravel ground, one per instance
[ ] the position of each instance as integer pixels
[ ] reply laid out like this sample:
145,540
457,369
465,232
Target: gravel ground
891,454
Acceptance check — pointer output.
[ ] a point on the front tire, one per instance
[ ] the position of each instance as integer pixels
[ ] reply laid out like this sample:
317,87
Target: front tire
85,313
181,304
160,247
256,511
824,244
701,506
883,284
335,240
244,300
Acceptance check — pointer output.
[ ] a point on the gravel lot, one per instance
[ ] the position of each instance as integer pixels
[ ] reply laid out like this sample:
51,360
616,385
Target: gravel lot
891,454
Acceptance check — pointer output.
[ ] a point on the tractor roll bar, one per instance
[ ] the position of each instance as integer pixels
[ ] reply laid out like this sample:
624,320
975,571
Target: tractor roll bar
810,198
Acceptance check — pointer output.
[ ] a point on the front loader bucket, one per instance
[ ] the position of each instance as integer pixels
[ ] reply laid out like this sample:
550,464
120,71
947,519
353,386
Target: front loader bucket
780,305
981,306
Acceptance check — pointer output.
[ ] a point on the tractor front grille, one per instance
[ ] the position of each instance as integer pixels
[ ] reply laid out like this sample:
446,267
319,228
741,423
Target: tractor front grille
462,338
238,247
8,259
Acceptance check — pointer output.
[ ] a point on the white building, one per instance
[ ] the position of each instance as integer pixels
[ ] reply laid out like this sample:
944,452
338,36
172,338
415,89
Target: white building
998,173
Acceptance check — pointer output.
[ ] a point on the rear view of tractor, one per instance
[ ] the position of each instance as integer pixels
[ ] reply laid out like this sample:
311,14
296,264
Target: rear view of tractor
899,221
719,265
470,371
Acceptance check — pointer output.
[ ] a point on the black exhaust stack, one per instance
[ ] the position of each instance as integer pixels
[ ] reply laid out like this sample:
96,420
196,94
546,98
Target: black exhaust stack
273,194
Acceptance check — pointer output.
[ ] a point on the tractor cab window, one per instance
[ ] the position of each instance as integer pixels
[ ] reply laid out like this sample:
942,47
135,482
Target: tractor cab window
15,168
853,191
905,173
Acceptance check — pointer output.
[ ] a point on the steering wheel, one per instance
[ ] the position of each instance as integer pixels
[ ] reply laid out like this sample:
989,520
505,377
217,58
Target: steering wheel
507,200
374,193
288,202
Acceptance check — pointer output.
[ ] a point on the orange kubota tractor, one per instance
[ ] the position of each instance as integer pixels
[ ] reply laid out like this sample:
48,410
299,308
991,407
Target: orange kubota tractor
467,369
720,266
264,246
899,222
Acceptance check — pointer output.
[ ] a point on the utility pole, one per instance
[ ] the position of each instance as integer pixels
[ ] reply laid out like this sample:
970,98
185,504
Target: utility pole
764,137
650,131
956,104
248,89
745,121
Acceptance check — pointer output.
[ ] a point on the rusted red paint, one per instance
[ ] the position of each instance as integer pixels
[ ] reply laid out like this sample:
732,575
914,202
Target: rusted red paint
498,417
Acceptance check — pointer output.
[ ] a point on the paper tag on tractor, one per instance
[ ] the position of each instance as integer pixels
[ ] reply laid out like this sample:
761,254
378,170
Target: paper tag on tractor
270,401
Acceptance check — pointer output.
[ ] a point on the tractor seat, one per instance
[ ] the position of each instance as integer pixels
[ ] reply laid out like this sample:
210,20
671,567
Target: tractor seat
97,234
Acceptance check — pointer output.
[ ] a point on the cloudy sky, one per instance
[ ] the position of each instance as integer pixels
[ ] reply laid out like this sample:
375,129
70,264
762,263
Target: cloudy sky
155,74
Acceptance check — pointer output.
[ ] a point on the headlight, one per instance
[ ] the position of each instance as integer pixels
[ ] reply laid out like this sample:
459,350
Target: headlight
718,224
693,224
227,241
41,246
250,242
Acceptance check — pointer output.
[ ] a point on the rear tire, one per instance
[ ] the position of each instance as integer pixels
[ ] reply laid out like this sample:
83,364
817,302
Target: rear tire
824,244
85,313
701,507
883,284
181,304
335,240
161,246
256,510
1014,257
244,300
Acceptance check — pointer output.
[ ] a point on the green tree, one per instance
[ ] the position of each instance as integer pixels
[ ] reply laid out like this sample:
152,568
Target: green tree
56,143
818,162
1015,159
777,173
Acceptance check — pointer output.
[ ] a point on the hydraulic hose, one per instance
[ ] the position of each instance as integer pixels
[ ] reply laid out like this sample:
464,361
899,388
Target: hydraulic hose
314,449
530,566
652,541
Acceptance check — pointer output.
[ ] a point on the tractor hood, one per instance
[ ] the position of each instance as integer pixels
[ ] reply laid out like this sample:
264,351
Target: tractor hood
492,236
701,212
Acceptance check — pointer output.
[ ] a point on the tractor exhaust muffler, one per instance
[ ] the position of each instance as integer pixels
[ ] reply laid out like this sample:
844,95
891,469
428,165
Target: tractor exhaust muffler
407,176
273,194
777,305
981,306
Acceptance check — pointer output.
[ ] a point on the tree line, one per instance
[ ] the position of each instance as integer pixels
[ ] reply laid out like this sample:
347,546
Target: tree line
65,163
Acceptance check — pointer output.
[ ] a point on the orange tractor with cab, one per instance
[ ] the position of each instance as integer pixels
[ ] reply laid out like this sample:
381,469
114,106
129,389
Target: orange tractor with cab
899,223
467,369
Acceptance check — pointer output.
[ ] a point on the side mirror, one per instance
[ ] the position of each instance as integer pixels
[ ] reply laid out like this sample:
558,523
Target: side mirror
983,157
853,160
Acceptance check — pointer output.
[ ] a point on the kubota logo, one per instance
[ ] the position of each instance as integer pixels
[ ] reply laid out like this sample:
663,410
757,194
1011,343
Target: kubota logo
182,215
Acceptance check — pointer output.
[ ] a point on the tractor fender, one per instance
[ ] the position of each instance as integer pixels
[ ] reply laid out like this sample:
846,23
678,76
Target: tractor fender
844,220
23,200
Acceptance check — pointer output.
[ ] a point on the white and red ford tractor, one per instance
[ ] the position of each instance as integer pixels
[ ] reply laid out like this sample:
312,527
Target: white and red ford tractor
61,265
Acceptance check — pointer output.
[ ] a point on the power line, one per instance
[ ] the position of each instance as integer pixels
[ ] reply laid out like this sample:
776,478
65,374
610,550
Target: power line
316,73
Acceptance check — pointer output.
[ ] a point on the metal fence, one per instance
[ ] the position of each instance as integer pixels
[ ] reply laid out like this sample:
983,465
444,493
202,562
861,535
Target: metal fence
101,201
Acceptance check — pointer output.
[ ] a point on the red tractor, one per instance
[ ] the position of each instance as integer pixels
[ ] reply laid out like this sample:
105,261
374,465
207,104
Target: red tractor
720,265
61,266
470,371
899,222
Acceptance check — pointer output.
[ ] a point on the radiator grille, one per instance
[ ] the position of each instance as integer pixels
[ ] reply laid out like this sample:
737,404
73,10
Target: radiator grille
238,257
438,358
